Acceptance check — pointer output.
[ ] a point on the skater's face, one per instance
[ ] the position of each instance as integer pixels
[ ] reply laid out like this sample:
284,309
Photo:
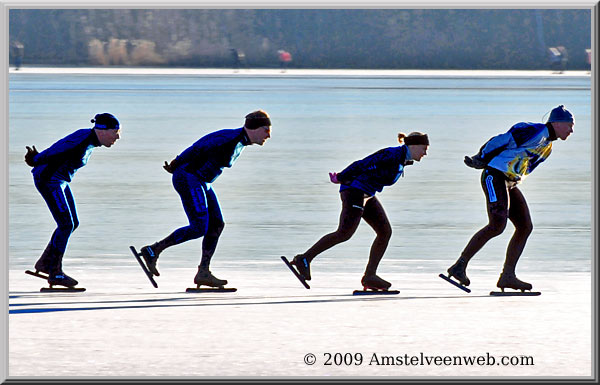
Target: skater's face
108,137
418,151
260,135
563,129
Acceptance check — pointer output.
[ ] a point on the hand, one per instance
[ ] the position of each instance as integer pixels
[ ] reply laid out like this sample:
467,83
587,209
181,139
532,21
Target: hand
333,178
31,153
170,167
474,162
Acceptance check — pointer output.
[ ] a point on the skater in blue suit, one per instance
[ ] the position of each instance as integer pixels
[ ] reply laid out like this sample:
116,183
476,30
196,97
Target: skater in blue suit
359,182
506,160
53,170
194,171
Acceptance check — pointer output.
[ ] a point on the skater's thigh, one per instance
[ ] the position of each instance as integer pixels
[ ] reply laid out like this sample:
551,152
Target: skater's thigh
215,216
375,216
497,200
57,202
519,213
72,206
192,192
352,211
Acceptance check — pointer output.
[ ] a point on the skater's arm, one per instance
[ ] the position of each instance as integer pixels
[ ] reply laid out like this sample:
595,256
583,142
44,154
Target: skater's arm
489,150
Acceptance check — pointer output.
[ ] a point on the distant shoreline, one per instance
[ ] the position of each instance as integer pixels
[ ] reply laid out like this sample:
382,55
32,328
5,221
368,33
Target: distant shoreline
274,72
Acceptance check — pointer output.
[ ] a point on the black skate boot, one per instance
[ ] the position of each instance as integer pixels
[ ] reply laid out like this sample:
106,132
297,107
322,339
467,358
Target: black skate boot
373,282
151,258
205,277
60,278
44,263
302,265
458,271
510,280
57,276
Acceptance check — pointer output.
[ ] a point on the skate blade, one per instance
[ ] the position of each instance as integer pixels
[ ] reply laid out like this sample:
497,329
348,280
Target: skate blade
300,278
138,256
515,293
210,289
375,292
37,274
457,284
62,289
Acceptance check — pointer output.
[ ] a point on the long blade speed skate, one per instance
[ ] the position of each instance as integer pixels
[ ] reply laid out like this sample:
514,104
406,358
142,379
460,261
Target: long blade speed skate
210,289
53,288
138,256
300,278
375,292
514,293
448,279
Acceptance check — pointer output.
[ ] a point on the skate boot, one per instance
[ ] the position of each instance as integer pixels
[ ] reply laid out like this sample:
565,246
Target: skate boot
458,271
511,281
60,278
302,265
151,258
373,282
44,263
205,277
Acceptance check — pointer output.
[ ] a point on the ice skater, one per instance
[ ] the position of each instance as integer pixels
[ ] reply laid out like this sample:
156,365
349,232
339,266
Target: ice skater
506,160
53,170
359,182
194,171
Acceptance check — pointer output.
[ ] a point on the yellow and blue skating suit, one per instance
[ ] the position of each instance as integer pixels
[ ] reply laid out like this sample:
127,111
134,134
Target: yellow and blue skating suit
519,151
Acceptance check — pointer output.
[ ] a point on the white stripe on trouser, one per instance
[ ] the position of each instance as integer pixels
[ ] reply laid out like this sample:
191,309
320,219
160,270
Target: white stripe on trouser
490,188
358,207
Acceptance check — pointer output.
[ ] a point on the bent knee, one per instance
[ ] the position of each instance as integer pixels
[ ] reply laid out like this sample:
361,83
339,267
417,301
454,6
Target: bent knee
496,226
343,235
385,232
525,228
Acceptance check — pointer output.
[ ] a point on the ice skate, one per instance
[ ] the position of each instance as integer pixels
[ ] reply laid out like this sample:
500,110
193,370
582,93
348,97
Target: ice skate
151,258
61,279
372,284
205,278
458,271
510,280
295,271
302,265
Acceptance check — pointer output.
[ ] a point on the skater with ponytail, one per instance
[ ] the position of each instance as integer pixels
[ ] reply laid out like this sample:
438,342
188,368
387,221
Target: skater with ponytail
359,182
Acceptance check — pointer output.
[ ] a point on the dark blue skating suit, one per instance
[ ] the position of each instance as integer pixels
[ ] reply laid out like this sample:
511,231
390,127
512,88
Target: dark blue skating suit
54,168
373,173
196,168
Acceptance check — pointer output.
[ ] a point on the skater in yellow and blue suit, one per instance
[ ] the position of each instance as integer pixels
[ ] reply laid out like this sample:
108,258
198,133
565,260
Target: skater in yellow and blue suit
506,160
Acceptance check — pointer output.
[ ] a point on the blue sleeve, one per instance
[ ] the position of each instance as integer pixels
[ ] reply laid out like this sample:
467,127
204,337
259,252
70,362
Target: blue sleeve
201,146
61,147
524,132
494,146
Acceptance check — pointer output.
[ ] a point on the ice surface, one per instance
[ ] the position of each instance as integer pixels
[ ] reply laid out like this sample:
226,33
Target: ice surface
122,326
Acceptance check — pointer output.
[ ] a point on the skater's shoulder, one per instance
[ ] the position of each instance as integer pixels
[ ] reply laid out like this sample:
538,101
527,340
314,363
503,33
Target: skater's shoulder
221,137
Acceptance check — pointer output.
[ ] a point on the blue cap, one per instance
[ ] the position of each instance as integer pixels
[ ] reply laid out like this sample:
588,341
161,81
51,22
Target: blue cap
105,121
560,114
